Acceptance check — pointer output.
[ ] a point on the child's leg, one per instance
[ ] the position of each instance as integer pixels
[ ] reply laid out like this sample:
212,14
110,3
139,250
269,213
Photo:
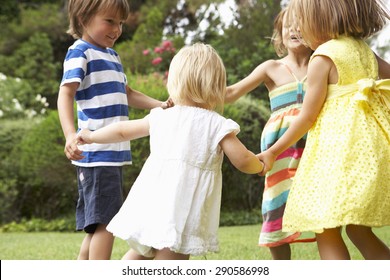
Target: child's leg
282,252
331,245
166,254
369,245
133,255
101,244
84,249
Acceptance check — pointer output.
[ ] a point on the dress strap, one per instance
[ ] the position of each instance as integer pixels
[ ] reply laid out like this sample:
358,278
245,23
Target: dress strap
299,83
292,73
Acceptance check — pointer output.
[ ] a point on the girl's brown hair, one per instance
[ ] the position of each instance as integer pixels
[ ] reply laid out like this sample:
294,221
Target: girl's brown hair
277,36
322,20
80,12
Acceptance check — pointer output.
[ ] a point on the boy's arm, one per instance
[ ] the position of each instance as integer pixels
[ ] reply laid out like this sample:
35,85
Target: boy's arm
243,159
65,103
115,132
139,100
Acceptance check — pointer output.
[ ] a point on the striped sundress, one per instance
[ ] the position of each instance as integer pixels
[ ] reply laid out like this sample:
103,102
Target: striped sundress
286,102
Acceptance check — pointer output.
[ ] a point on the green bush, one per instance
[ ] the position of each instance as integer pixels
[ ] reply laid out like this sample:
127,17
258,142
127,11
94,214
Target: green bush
48,186
34,62
11,134
18,99
240,218
66,224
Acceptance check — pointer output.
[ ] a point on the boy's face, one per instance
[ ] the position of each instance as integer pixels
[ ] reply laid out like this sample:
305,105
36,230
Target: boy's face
103,29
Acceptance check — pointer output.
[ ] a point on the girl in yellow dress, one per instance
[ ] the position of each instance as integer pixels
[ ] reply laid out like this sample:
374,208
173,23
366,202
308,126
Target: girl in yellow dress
344,175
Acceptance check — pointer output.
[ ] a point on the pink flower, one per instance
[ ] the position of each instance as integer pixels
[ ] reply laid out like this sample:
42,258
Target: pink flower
167,45
158,50
146,52
157,60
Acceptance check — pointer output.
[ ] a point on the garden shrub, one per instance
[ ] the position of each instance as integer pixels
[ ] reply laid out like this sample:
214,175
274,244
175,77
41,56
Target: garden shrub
63,224
49,186
18,99
11,133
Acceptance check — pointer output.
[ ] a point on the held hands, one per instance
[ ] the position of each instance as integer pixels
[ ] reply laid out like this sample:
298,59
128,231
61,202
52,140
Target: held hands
268,159
167,104
84,137
71,149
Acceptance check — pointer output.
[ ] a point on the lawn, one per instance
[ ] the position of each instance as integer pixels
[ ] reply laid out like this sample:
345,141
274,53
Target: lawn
236,243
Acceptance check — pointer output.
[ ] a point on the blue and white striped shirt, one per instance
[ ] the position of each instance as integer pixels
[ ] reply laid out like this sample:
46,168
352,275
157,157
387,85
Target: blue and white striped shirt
101,99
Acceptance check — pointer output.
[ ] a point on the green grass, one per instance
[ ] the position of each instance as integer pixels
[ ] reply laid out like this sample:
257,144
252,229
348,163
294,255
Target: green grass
236,243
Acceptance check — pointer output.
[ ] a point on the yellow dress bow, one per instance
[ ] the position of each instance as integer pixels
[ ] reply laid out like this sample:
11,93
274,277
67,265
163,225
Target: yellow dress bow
371,86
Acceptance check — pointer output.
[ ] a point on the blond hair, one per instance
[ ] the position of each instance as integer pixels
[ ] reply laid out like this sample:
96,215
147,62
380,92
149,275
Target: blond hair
80,12
277,36
322,20
197,75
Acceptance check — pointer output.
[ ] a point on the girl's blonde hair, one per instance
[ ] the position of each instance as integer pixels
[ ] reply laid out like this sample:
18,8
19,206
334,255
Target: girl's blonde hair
80,12
322,20
197,75
277,36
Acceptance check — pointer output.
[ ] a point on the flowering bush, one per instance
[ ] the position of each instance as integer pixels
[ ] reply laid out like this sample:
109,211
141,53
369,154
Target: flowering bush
17,99
161,56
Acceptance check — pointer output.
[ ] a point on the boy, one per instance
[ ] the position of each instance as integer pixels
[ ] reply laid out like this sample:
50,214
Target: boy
94,77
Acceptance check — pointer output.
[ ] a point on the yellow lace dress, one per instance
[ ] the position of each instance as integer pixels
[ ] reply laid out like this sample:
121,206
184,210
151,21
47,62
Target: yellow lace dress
344,174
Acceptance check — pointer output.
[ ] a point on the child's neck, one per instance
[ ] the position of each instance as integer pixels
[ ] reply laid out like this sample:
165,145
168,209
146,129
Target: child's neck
298,59
193,104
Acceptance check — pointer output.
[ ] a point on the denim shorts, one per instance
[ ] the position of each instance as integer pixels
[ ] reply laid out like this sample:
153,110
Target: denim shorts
100,196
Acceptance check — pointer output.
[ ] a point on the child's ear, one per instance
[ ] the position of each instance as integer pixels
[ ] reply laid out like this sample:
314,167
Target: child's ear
81,22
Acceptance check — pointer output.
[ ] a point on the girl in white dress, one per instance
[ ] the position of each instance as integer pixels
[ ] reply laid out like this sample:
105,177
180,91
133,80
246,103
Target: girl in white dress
173,208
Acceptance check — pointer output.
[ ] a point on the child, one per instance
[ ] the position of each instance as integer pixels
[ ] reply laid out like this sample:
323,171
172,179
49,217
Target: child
93,75
172,210
343,177
286,91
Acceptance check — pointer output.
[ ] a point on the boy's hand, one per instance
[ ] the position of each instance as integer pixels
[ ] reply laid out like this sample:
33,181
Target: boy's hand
71,149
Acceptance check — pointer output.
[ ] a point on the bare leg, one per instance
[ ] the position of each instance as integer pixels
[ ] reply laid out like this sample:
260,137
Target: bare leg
133,255
331,245
166,254
101,244
84,249
282,252
369,245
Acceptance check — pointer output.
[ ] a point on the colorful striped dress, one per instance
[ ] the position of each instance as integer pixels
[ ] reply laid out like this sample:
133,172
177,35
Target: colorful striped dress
286,102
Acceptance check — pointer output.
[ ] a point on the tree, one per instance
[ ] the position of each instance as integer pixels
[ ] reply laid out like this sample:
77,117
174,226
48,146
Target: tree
33,61
9,10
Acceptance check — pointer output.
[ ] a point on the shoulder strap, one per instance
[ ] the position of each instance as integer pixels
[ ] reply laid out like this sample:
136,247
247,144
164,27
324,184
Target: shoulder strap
292,74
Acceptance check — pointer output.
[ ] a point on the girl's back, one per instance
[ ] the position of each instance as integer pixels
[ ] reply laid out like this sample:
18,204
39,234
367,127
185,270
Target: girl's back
353,59
344,172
